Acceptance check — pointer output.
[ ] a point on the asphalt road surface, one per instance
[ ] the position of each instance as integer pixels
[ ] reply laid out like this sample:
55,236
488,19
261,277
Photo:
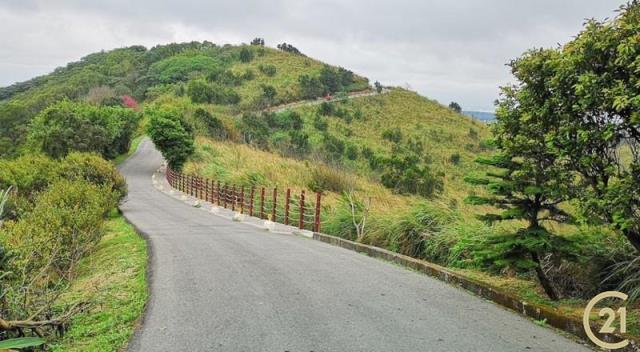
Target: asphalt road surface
218,285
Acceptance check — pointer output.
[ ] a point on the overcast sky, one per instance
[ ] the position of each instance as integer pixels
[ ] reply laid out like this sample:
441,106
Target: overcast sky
452,50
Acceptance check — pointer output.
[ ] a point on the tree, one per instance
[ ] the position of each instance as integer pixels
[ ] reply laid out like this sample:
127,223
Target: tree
199,91
378,87
269,93
455,107
257,41
172,137
330,79
289,48
71,126
530,184
310,87
246,55
595,92
590,89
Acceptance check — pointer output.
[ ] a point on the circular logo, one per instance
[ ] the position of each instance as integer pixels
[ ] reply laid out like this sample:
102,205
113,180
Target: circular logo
611,315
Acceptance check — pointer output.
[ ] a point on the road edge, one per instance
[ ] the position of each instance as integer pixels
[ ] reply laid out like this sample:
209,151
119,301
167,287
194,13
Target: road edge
483,290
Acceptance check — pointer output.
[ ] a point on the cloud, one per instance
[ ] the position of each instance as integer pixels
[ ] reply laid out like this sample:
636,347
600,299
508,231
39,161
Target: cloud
447,50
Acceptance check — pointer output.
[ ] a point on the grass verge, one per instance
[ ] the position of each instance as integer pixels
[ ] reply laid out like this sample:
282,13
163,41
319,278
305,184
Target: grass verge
113,279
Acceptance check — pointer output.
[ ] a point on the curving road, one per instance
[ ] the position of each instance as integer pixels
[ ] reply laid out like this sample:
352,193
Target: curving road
218,285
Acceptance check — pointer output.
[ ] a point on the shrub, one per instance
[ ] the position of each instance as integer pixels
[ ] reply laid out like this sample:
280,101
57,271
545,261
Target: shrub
269,70
254,130
392,135
227,78
246,55
455,107
248,75
378,87
268,94
333,146
287,120
325,109
310,87
351,152
214,125
95,170
329,179
172,137
257,41
70,126
29,174
289,48
330,79
320,123
455,158
64,225
46,244
404,174
181,67
200,91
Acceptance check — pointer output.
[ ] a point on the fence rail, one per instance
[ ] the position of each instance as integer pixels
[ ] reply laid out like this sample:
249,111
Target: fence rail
286,211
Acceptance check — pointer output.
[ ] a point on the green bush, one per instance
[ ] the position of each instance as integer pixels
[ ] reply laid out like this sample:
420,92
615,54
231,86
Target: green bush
310,87
325,109
255,130
246,55
392,135
333,146
95,170
268,70
172,136
405,174
181,67
455,158
201,91
46,243
320,123
70,126
214,125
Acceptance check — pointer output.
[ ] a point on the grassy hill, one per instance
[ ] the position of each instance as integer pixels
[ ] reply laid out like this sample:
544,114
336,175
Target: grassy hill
407,153
398,148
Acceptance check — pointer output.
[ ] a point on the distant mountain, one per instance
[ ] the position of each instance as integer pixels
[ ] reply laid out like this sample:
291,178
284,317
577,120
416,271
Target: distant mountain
481,115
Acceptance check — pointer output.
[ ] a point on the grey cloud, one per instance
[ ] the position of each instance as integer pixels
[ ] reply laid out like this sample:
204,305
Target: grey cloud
447,50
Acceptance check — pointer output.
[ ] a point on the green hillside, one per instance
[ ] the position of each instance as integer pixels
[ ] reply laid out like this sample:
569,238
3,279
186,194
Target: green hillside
404,154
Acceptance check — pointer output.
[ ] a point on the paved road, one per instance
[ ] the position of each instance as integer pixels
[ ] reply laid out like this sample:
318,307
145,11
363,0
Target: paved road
218,285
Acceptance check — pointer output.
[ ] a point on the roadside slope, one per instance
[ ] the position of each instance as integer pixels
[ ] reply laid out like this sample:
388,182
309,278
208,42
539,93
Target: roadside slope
222,285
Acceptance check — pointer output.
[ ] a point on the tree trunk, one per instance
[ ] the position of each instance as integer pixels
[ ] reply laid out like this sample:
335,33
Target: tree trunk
544,280
634,238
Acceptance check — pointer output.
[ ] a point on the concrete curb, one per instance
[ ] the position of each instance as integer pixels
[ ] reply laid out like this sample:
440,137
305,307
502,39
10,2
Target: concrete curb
486,291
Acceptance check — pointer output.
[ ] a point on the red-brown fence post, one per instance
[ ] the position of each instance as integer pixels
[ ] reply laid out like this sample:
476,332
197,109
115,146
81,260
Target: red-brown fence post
316,225
218,193
286,206
198,187
301,223
262,203
273,206
233,198
253,191
242,200
224,195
